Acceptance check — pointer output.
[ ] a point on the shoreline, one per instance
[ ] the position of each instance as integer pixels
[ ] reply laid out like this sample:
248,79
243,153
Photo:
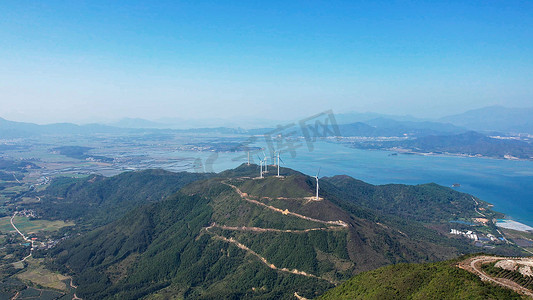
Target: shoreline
407,151
453,154
514,225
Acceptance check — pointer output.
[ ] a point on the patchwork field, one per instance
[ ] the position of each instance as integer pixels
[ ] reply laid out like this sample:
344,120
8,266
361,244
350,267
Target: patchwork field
28,226
40,276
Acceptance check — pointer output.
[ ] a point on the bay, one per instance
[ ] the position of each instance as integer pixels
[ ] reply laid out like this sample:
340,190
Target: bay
505,183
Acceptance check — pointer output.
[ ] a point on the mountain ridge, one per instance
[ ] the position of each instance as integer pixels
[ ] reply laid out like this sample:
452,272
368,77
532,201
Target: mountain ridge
495,118
293,243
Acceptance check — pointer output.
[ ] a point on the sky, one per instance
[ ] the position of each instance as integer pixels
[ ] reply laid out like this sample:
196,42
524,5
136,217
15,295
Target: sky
99,61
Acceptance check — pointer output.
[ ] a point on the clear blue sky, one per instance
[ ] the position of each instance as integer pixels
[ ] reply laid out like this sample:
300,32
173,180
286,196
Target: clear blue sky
101,60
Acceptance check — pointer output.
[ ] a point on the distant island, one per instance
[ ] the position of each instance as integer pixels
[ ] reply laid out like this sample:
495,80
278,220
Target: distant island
470,143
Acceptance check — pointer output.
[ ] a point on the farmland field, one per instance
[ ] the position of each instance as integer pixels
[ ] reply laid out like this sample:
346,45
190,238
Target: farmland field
38,275
28,226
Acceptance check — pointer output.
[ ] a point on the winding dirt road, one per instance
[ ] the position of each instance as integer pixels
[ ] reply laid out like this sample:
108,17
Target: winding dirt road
266,262
259,229
285,212
473,265
333,225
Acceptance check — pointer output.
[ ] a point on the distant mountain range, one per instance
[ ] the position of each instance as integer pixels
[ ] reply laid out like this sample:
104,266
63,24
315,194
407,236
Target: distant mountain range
492,118
374,127
12,129
495,118
245,122
139,123
451,135
489,119
352,117
389,127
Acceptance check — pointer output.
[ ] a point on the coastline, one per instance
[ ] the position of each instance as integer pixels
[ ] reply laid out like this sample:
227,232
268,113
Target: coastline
514,225
409,151
455,154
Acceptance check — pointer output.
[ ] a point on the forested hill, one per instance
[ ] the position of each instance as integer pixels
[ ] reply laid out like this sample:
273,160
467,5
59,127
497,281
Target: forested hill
428,203
442,280
467,143
471,143
235,236
98,200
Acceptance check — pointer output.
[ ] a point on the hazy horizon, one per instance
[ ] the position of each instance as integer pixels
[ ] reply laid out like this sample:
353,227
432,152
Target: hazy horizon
101,61
243,121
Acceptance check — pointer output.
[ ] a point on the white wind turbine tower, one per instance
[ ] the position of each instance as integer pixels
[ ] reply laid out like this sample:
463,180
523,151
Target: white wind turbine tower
316,177
266,169
279,158
260,167
248,158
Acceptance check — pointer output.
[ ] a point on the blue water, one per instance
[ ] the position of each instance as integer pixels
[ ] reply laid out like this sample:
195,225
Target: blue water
504,183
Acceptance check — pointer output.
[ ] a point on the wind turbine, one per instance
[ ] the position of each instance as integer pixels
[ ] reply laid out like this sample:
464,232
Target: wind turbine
261,167
266,169
279,158
316,177
248,158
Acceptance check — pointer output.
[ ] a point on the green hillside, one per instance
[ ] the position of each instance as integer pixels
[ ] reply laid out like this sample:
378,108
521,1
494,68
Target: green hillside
292,186
165,248
234,236
98,200
440,280
425,202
